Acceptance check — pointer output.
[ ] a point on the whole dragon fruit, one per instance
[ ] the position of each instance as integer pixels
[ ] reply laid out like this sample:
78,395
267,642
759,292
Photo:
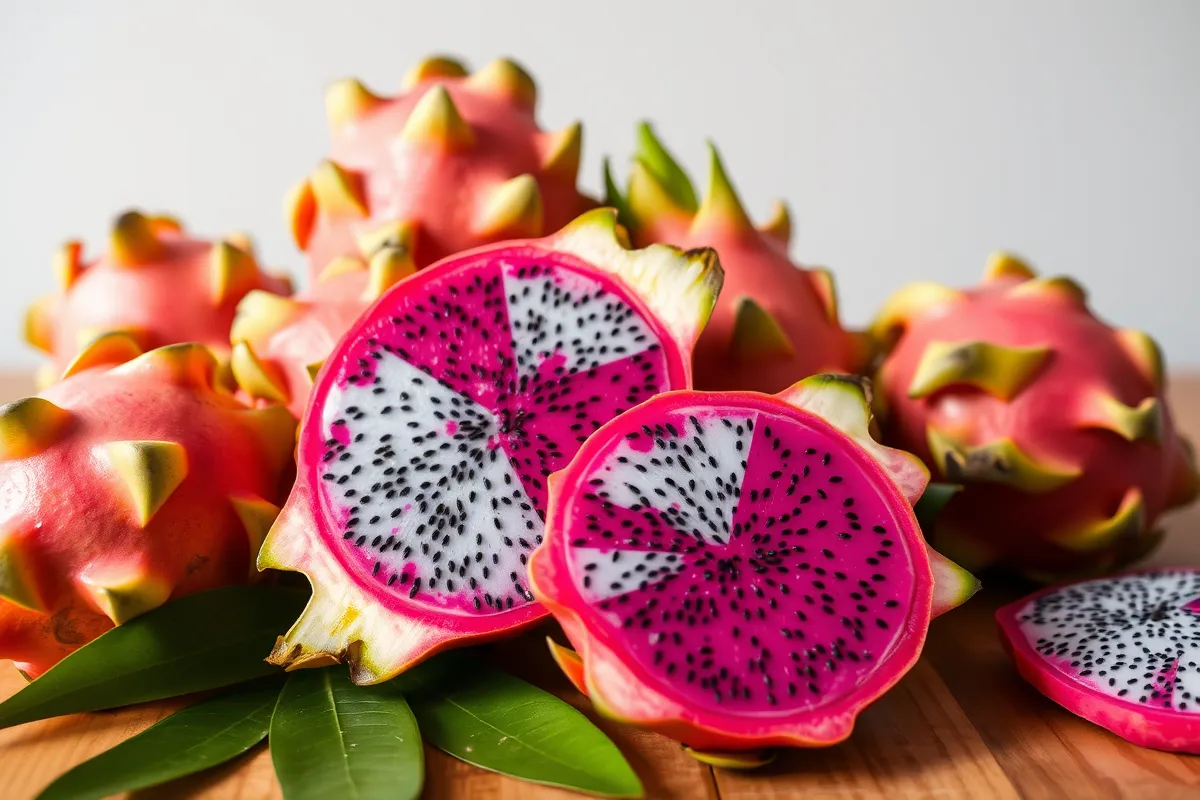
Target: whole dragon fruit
1056,424
775,321
455,161
132,481
740,571
425,446
155,284
280,342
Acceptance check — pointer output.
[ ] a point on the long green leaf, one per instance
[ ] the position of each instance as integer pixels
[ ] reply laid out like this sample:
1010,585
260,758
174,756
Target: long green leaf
200,736
203,641
332,739
501,723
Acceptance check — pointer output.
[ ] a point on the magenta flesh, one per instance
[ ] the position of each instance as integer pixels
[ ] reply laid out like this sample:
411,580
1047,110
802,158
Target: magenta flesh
743,557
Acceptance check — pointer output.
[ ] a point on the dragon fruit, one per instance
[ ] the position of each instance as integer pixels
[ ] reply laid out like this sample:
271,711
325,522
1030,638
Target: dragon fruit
130,482
432,426
280,342
156,284
453,162
741,571
1120,652
1056,424
775,322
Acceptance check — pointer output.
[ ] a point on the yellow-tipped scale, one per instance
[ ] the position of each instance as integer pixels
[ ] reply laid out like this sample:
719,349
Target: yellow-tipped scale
126,598
512,210
433,68
998,370
435,122
347,100
116,347
1003,265
563,151
1128,521
505,78
757,334
1143,422
1000,461
29,426
151,471
778,226
133,240
388,266
259,380
256,516
17,584
260,313
1145,354
232,271
68,264
720,206
337,191
300,211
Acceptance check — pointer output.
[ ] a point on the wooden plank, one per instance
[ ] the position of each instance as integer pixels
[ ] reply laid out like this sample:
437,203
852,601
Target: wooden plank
915,742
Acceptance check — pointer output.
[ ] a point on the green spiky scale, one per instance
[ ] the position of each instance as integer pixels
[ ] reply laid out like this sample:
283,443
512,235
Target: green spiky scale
1000,371
1000,461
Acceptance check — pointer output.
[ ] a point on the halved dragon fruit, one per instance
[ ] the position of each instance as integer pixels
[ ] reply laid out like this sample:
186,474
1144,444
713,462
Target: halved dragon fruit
434,423
740,571
1121,652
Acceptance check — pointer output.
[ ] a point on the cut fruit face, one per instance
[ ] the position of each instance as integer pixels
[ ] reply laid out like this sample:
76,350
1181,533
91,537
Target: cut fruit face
735,571
433,426
1121,652
442,418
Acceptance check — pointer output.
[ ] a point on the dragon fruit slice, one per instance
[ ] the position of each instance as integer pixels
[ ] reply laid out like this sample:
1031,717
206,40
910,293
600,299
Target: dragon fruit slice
1121,652
435,421
156,284
133,480
279,343
775,322
454,161
741,571
1056,424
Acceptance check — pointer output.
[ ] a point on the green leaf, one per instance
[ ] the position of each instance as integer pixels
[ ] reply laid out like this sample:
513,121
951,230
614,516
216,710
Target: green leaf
501,723
202,641
330,738
936,496
200,736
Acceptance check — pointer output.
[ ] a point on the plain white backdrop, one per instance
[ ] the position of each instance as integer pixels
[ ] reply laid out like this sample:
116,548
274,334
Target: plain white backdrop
911,138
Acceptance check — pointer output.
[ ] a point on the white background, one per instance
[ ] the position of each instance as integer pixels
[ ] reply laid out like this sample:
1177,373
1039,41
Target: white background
911,138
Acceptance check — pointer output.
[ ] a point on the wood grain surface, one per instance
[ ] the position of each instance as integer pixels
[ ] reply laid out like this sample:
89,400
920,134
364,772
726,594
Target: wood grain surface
960,724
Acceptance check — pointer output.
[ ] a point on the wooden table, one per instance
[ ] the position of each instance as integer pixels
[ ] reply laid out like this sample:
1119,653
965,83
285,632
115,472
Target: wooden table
960,724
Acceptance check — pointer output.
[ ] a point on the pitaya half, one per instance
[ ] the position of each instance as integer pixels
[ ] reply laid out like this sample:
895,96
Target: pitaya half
1121,652
456,160
132,481
156,284
434,422
775,321
1056,424
280,342
741,571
